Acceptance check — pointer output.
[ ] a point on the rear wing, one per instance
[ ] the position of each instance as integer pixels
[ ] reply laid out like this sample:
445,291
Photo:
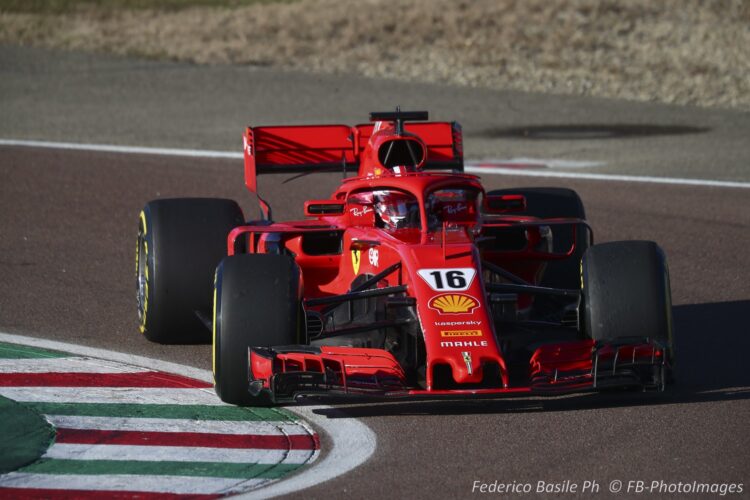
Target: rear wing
298,149
444,141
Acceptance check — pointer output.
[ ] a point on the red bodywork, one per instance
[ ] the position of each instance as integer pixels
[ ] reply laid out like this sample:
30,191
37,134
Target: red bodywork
436,268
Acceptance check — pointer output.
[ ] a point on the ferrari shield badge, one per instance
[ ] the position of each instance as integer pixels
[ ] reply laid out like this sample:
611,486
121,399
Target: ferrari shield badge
355,261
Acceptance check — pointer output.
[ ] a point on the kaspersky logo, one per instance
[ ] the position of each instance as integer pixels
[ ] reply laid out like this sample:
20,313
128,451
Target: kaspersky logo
453,303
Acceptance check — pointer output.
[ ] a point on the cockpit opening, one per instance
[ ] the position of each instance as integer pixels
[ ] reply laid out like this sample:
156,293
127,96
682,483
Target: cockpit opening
403,152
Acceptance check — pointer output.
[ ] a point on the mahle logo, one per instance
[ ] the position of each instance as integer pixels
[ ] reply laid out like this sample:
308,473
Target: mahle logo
464,343
453,303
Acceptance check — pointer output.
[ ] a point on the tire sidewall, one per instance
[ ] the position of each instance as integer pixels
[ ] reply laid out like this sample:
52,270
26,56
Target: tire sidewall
185,238
240,282
626,292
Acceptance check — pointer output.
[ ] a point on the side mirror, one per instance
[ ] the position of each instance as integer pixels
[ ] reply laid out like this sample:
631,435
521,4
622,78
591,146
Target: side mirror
316,208
504,203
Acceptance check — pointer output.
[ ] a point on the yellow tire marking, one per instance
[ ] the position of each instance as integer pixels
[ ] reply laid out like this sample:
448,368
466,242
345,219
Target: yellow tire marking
145,251
142,326
213,329
581,273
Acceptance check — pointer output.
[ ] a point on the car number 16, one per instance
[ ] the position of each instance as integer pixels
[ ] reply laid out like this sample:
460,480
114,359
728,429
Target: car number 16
458,279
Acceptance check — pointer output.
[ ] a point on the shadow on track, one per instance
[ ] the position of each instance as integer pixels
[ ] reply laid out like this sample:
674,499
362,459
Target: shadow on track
587,131
711,343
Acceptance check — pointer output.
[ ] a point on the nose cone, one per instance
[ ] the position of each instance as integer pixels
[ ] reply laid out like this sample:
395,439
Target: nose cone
465,360
458,330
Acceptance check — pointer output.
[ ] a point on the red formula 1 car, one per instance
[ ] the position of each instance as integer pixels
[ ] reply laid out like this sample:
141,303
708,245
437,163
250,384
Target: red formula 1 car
405,282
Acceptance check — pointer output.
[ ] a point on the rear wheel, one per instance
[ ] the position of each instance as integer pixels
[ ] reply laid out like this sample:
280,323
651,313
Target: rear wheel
180,242
626,292
256,304
554,202
547,202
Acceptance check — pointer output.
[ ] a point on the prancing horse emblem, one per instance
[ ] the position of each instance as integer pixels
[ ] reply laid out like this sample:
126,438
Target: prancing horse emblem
467,360
355,261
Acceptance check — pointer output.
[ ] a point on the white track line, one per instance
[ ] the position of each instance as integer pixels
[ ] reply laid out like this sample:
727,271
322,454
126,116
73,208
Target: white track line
121,357
261,428
184,485
471,166
353,443
515,163
97,395
112,148
67,451
138,424
66,365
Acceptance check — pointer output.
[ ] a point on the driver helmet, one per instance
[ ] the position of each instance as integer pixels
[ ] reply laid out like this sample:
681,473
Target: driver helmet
396,210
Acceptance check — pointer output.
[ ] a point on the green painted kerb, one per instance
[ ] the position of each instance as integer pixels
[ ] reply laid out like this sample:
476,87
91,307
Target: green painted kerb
193,412
163,468
17,351
26,435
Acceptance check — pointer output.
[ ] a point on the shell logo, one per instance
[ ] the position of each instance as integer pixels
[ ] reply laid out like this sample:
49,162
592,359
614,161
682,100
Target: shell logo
453,303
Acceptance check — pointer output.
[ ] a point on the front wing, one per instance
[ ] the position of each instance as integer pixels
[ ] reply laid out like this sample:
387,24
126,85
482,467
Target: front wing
288,372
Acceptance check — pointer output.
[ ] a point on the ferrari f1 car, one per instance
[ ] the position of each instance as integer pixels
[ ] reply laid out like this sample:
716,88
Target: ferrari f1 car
410,280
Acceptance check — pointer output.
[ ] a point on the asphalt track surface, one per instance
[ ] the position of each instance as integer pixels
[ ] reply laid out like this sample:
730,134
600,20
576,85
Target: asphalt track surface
68,222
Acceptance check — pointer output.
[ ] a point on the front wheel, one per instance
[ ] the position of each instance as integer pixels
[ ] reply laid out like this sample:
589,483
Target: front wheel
626,292
256,304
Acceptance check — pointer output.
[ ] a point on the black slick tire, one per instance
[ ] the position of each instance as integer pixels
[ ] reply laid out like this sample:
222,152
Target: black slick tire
554,202
626,292
256,304
547,202
180,242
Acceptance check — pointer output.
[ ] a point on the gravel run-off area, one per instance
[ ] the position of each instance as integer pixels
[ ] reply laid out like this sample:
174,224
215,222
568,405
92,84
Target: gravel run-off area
675,51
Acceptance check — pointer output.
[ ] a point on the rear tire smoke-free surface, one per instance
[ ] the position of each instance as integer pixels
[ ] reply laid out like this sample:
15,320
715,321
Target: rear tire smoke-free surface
626,292
256,304
180,242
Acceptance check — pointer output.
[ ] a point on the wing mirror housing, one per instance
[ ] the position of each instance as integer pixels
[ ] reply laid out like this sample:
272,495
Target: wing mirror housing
316,208
504,203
